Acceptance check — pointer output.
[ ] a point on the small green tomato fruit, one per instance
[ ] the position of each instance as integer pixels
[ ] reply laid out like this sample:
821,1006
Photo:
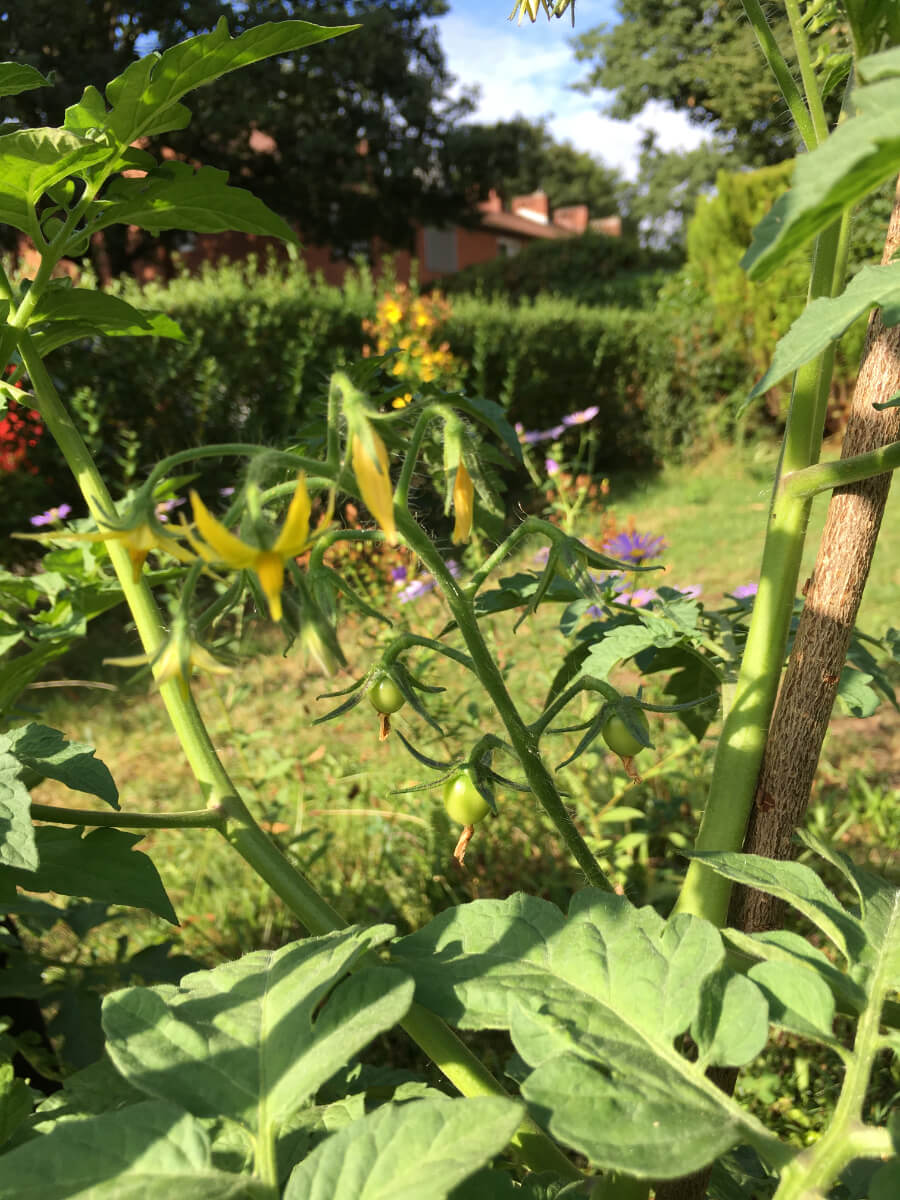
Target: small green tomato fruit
619,737
384,696
463,801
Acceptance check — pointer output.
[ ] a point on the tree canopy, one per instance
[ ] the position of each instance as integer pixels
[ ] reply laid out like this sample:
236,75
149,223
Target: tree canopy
355,124
519,156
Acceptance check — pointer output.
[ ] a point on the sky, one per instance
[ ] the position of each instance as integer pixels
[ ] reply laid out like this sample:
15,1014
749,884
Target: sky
528,70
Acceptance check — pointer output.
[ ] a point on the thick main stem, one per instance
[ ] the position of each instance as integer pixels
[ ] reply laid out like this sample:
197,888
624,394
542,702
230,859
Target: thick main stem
740,748
833,597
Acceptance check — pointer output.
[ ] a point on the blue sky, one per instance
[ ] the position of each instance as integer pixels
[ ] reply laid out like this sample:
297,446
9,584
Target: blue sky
529,69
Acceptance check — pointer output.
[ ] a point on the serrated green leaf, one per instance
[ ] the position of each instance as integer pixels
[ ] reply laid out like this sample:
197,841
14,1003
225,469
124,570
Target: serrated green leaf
416,1151
252,1040
617,645
17,845
799,1000
175,196
144,98
732,1023
16,78
593,1004
94,313
800,886
33,160
828,318
781,945
15,1101
101,866
149,1151
46,751
858,156
854,693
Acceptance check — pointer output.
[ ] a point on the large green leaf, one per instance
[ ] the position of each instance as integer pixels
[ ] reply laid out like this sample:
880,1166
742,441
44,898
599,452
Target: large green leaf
798,885
175,196
19,77
416,1151
826,319
64,315
149,1151
17,844
594,1005
17,673
251,1040
144,98
46,751
101,866
33,160
858,156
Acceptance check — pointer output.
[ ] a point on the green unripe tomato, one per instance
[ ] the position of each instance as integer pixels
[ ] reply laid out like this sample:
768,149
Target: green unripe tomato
463,801
619,737
384,696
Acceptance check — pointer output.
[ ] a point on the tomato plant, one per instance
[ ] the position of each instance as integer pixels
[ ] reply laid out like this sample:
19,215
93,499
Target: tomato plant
463,801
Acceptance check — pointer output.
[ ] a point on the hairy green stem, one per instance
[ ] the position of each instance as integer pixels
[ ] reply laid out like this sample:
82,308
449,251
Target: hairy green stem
523,739
782,72
198,818
741,744
824,477
807,71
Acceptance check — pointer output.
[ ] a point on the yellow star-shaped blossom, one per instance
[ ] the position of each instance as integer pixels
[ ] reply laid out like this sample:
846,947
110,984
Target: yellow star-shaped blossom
221,546
138,539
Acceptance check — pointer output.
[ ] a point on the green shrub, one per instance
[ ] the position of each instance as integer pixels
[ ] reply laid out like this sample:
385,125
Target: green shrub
592,269
261,343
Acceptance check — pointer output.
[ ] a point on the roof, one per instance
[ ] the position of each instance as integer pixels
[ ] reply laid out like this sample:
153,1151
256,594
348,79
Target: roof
505,222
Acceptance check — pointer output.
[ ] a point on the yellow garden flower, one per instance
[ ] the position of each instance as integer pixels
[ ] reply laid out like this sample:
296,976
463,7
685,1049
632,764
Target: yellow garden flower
463,504
220,546
374,479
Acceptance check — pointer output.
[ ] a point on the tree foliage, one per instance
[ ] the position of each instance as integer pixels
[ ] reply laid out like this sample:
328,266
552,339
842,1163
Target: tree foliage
519,156
355,130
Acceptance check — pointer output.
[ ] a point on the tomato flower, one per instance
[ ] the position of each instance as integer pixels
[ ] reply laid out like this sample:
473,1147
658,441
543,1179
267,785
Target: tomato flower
374,478
463,504
138,532
176,659
220,546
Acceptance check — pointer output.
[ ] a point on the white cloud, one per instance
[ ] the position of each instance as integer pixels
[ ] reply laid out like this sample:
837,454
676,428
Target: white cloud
529,71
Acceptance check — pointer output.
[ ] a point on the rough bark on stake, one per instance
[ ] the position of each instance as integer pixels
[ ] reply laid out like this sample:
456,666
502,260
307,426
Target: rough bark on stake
833,596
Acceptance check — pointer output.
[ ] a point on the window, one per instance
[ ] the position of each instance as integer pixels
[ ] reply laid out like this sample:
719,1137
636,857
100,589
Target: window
440,250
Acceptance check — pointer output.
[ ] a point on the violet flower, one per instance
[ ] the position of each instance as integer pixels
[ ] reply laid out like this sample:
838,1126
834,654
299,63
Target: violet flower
745,591
581,417
52,515
634,547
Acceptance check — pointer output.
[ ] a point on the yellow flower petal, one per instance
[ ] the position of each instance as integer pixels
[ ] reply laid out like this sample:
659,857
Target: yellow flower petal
225,546
463,504
374,481
269,568
294,536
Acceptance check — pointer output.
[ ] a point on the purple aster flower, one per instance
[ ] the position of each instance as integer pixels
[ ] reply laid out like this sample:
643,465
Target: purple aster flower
418,587
582,417
555,432
745,591
530,436
453,567
52,515
541,555
635,547
692,591
641,597
229,491
613,581
164,507
398,575
551,466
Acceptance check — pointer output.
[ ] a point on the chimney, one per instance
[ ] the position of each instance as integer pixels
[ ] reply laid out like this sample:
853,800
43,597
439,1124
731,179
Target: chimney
574,218
611,226
535,207
493,204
